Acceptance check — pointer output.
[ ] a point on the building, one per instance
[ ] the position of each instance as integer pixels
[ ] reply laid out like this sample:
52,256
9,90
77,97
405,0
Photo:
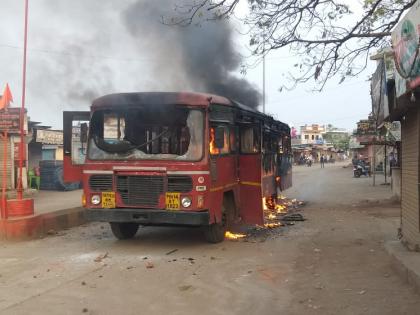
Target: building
45,144
9,147
396,97
310,141
311,134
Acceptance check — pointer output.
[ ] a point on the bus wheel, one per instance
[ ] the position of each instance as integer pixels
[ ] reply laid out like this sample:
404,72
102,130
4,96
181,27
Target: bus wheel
215,233
125,230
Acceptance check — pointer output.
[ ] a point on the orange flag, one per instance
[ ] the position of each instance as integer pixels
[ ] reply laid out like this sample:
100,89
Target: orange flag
6,98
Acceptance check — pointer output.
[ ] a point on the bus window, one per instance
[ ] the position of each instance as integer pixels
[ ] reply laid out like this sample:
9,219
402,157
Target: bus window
113,127
280,145
78,145
233,139
250,140
213,149
146,133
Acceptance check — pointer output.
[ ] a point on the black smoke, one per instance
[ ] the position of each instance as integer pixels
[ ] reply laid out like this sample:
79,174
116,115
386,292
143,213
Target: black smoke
198,57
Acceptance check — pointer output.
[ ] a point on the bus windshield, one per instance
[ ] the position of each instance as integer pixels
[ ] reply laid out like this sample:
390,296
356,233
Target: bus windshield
158,133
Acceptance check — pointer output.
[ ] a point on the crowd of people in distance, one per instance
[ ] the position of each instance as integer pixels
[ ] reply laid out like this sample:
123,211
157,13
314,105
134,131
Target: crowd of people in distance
309,159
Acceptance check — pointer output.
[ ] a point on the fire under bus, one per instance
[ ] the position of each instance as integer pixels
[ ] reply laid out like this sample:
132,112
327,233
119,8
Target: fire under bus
156,159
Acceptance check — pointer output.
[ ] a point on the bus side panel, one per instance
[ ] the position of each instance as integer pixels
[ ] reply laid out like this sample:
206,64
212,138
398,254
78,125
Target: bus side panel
216,199
268,184
286,180
286,164
224,178
251,209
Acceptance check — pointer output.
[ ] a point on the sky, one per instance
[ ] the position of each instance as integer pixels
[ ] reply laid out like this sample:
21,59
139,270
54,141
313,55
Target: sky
79,50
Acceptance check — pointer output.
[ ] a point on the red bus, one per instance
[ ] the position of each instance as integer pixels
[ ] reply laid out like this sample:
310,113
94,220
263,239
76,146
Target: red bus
175,159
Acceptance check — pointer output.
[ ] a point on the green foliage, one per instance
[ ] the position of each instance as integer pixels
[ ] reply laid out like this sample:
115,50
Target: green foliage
340,141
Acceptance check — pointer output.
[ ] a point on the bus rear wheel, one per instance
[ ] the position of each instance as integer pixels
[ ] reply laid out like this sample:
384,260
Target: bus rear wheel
124,231
215,233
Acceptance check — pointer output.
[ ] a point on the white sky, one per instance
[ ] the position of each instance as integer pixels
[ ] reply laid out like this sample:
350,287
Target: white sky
52,22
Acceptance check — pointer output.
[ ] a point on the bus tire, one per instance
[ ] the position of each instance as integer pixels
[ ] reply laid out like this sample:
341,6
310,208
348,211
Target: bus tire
215,233
125,230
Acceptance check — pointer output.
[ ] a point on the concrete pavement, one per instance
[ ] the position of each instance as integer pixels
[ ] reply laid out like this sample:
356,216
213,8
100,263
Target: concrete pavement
54,211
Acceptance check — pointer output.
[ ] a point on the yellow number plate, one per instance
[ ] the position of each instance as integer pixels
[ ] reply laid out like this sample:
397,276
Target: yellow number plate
108,200
172,201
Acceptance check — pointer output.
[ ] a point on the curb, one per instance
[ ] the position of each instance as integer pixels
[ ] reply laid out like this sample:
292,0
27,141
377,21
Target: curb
406,263
39,225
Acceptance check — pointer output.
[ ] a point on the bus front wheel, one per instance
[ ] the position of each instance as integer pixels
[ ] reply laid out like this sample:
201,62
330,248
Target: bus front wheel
124,231
215,233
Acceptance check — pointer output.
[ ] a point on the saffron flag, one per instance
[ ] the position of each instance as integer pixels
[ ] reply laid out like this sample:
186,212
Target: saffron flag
6,98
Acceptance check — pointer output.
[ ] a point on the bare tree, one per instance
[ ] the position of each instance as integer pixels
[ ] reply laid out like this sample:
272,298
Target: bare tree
327,37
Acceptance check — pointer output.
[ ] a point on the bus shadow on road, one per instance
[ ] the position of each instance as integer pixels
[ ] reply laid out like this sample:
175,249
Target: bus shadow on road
166,236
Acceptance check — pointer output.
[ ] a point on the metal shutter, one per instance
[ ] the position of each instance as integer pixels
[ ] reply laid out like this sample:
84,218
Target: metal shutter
410,178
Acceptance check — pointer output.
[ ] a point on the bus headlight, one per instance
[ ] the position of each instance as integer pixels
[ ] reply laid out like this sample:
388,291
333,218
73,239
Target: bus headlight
186,202
96,199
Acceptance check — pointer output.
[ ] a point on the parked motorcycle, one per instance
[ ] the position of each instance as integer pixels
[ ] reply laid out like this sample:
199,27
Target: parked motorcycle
361,169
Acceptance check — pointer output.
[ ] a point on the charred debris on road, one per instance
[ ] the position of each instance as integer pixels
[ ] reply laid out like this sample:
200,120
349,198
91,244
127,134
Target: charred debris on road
278,212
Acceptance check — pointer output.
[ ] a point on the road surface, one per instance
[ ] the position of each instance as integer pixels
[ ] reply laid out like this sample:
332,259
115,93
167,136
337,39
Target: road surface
333,263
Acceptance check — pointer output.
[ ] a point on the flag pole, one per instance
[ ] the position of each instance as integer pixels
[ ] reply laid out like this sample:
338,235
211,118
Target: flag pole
4,179
22,111
20,206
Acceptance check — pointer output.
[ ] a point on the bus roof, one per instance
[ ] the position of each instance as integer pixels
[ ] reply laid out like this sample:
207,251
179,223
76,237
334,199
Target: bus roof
168,98
163,98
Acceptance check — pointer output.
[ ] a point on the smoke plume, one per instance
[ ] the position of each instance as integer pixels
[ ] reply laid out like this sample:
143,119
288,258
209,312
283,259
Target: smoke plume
202,58
79,50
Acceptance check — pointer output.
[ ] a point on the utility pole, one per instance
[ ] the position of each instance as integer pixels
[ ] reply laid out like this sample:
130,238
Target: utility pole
264,81
263,74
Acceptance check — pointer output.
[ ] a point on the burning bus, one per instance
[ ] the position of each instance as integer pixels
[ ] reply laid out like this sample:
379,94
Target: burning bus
175,159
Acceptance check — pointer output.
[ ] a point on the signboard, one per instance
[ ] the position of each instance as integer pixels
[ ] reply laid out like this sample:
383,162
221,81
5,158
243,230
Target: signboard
394,130
405,42
379,92
9,120
366,127
49,136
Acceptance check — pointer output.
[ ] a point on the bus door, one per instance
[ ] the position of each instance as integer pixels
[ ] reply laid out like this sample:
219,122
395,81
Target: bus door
268,164
284,167
75,127
251,210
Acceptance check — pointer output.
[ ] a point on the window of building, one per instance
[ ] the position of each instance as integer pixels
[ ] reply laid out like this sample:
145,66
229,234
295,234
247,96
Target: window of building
313,137
306,137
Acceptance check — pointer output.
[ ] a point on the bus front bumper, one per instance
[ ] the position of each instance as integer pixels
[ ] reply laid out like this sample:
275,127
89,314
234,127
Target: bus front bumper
149,217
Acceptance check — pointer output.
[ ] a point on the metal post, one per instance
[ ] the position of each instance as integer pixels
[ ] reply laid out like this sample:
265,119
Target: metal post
374,165
22,110
385,163
263,74
264,80
4,179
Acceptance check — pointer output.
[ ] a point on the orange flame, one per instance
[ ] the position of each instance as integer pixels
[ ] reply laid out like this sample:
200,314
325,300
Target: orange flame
213,149
272,225
234,236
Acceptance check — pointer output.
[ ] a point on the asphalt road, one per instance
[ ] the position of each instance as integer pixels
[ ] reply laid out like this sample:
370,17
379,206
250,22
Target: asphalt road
333,263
